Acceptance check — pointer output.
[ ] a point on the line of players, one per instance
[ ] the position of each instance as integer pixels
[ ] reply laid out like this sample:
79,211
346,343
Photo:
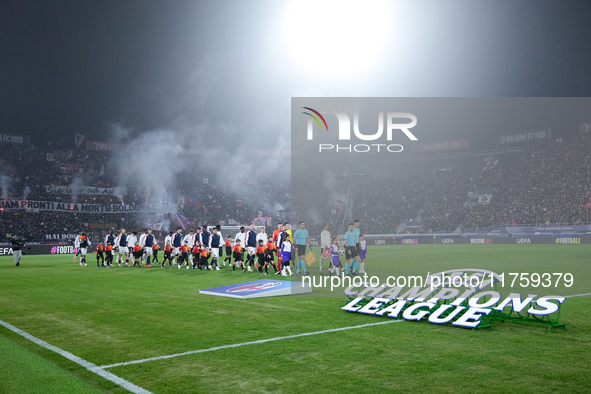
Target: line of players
196,248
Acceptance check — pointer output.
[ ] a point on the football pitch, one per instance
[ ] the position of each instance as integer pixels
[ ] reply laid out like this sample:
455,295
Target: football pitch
68,328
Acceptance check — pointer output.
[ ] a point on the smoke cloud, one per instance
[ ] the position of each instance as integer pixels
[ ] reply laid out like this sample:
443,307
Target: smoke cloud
5,180
74,185
26,192
167,165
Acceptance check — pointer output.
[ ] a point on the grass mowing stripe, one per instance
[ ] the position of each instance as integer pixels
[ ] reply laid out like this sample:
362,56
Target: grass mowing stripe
244,344
86,364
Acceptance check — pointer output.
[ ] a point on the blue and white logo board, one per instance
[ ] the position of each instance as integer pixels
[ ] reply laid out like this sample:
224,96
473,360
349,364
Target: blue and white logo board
259,288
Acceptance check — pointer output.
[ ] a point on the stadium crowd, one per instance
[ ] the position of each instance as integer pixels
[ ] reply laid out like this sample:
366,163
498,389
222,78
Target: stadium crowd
26,171
549,183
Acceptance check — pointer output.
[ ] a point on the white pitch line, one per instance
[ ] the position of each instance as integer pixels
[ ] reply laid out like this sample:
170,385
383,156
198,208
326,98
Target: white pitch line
577,295
244,344
86,364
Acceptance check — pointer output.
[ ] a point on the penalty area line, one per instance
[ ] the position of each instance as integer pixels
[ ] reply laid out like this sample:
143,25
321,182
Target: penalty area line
86,364
211,349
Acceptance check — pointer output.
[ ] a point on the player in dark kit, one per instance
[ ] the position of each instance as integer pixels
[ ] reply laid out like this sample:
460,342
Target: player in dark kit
110,239
221,247
84,243
100,256
148,244
122,249
204,236
176,242
251,246
215,246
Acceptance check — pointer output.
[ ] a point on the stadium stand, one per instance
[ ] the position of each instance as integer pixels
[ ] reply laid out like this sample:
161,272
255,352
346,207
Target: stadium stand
548,183
25,172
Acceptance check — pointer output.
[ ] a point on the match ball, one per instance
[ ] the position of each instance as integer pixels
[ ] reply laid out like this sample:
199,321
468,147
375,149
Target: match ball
341,251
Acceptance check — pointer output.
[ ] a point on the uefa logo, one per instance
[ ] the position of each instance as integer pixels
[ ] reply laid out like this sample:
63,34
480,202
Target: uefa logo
253,287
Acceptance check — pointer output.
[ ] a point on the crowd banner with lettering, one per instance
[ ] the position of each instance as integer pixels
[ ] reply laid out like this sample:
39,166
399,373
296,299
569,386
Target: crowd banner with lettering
100,146
428,147
15,139
86,208
90,190
101,226
524,137
60,237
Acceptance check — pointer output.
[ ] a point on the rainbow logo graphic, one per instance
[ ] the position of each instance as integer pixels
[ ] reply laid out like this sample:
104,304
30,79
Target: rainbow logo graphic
315,118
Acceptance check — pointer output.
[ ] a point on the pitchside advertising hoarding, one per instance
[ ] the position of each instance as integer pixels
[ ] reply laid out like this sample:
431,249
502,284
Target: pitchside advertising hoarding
6,249
59,243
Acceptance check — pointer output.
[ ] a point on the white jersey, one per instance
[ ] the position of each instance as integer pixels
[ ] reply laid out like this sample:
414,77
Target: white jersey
142,241
242,237
168,239
77,241
286,247
325,239
189,239
262,236
131,241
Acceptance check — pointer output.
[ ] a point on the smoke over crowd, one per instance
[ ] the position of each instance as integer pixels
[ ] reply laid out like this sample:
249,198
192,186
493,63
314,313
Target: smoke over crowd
200,168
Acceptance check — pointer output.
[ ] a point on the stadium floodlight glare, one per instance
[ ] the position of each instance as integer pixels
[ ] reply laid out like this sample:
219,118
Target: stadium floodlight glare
337,37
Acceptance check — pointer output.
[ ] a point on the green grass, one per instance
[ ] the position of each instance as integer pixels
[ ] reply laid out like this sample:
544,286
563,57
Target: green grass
23,371
120,314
